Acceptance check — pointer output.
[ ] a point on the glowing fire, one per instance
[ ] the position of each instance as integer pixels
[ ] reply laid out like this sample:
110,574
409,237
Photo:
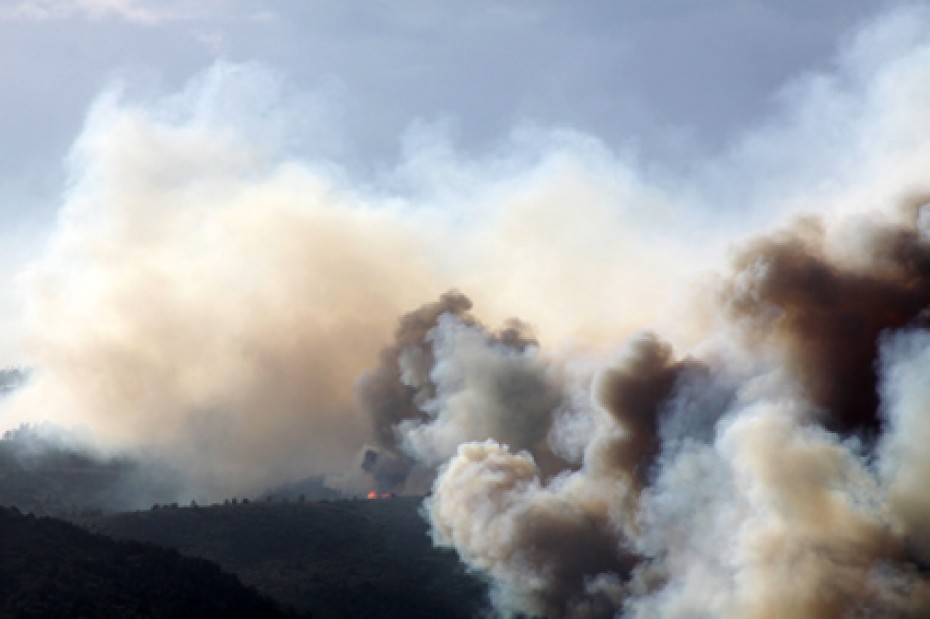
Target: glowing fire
383,495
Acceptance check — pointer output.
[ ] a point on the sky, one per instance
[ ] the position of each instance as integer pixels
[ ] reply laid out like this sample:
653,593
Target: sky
670,80
669,83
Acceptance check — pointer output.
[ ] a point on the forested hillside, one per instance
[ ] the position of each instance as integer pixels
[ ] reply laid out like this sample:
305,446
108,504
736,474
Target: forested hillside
345,558
50,568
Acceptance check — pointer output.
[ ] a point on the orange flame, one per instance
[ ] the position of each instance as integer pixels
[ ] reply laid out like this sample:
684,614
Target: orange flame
372,495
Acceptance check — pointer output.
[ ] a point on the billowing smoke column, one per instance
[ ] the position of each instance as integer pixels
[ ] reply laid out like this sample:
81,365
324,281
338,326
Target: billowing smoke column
555,544
448,380
775,471
394,392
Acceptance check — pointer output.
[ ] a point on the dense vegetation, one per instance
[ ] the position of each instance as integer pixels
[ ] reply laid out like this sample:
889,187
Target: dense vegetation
346,558
50,568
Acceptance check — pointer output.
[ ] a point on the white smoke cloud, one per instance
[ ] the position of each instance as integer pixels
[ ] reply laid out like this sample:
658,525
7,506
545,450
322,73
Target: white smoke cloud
483,390
776,517
905,462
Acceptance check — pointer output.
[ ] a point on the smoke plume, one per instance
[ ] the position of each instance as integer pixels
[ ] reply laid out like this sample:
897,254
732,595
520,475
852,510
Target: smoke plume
448,380
779,509
214,294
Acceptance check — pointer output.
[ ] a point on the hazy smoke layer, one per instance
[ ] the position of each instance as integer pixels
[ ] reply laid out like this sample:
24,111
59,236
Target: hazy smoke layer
202,302
214,295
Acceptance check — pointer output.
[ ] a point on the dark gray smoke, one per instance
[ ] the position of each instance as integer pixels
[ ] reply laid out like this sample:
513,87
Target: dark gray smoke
394,391
447,379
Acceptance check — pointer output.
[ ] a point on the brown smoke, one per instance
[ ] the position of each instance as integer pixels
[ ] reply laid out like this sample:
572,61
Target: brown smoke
560,546
552,550
826,315
217,318
631,391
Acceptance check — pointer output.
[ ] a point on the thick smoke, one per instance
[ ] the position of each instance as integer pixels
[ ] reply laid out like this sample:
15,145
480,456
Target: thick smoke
826,316
631,391
558,546
204,303
396,391
551,549
778,510
213,295
447,380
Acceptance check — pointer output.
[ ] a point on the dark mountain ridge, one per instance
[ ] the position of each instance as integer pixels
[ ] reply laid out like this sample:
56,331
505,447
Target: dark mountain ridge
51,568
341,558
